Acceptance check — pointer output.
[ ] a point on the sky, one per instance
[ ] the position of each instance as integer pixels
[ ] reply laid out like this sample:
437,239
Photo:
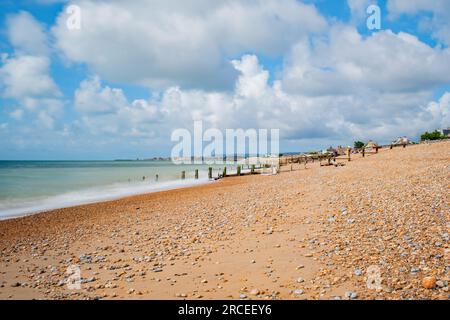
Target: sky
117,84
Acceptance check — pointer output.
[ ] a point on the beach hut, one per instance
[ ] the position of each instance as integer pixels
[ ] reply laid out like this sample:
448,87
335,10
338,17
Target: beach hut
342,151
371,145
401,141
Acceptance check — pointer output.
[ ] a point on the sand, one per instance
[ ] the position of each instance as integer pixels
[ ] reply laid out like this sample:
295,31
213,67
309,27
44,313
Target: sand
376,228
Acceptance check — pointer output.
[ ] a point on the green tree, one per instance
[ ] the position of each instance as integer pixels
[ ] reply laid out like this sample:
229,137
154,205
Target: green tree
358,144
435,135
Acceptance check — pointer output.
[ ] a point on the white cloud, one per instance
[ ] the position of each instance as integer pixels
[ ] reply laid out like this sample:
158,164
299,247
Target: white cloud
257,104
107,110
90,97
26,34
166,43
439,111
358,8
438,25
346,63
27,76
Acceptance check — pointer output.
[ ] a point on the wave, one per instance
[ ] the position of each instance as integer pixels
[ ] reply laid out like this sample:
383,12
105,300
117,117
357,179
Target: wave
24,207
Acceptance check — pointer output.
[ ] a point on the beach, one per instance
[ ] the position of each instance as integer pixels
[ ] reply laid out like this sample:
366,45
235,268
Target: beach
375,228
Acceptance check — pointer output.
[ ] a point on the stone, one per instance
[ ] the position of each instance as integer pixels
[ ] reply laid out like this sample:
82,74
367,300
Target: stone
429,282
298,292
300,280
351,295
254,292
358,272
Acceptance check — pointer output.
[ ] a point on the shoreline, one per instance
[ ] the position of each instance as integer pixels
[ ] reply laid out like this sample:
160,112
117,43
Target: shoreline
307,234
105,198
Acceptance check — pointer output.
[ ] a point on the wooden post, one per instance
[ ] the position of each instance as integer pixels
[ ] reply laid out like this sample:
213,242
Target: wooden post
349,152
196,173
376,149
183,175
404,145
224,172
391,146
363,152
238,170
253,169
210,173
156,178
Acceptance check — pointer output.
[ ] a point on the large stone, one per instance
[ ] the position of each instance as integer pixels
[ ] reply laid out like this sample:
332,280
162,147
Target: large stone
429,282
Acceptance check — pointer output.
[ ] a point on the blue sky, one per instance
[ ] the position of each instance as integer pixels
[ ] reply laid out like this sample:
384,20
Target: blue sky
118,86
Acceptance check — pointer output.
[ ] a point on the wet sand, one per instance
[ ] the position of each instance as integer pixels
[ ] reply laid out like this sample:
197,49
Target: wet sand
372,229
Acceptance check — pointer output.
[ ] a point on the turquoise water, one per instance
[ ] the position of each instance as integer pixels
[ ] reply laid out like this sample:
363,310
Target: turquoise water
31,186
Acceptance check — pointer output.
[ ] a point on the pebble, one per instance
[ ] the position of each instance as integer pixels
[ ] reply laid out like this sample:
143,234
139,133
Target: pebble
358,272
298,292
429,282
254,292
351,295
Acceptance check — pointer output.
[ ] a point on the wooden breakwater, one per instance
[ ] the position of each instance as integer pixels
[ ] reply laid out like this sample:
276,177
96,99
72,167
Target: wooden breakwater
291,162
287,162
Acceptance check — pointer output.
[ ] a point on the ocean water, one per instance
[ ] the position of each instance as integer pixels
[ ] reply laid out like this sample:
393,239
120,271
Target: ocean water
28,187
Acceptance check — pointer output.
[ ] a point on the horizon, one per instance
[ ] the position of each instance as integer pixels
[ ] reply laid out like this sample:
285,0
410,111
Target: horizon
168,157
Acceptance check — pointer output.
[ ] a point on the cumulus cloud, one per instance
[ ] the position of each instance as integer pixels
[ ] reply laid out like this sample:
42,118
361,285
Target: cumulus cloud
255,103
346,62
438,24
26,34
27,76
90,97
358,8
188,44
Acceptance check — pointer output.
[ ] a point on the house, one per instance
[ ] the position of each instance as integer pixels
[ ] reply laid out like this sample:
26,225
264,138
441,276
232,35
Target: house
446,132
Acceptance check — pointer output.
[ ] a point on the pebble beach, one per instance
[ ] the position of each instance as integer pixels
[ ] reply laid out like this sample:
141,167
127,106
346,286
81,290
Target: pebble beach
375,228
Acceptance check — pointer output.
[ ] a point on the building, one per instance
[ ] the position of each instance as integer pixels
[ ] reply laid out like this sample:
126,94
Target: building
446,132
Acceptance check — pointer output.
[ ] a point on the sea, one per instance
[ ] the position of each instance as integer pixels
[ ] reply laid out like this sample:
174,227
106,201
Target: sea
28,187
